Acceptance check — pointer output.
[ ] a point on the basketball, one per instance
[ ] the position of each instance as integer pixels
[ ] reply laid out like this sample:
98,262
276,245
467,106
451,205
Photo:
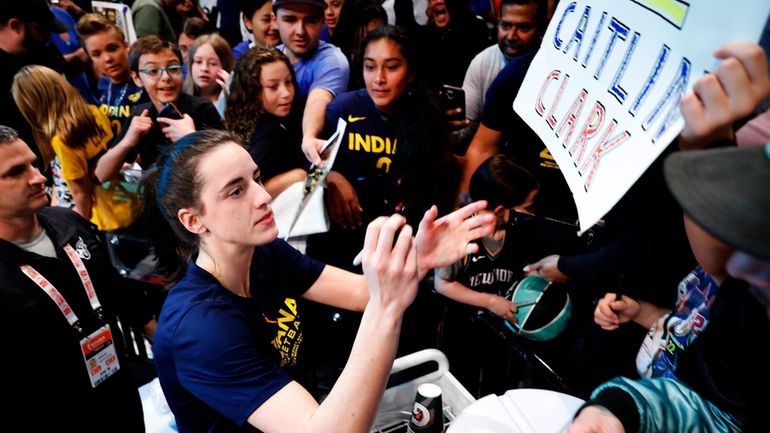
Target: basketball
544,308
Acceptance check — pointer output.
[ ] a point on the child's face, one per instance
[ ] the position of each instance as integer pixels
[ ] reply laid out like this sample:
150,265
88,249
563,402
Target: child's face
277,89
165,87
332,13
205,68
386,74
263,27
109,53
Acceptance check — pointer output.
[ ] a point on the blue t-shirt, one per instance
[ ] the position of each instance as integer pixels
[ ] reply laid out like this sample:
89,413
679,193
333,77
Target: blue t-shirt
219,356
326,69
240,49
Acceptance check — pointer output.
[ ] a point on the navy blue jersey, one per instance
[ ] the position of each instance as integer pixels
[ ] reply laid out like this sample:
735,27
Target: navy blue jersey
493,269
367,154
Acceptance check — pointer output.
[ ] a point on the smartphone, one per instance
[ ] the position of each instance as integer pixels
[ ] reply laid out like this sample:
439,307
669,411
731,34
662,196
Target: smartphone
452,97
170,111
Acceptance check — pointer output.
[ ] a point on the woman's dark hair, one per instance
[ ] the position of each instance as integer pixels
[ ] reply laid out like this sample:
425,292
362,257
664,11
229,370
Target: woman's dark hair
355,15
500,181
248,7
428,172
244,103
172,185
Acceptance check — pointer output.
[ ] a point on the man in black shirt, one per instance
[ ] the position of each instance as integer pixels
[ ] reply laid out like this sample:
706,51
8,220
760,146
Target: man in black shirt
65,367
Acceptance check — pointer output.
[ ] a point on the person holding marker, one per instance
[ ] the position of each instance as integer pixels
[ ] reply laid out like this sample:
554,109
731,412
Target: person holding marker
218,347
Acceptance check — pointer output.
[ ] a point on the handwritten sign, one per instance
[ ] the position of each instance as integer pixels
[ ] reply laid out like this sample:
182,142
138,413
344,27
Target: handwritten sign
603,91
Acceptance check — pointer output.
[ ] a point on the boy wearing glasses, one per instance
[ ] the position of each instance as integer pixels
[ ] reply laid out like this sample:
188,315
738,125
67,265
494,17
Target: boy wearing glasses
156,65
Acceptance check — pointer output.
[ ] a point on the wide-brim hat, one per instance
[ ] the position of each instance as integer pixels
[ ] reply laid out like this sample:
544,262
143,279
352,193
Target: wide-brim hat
726,191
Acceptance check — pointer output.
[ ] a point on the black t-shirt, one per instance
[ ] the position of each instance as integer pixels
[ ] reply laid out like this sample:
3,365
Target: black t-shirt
152,145
276,145
42,368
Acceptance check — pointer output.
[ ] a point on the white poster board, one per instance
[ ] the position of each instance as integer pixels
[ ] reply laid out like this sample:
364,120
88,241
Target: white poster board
119,14
603,91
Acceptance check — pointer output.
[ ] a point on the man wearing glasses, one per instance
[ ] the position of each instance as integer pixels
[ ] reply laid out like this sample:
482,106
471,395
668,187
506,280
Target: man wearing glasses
156,65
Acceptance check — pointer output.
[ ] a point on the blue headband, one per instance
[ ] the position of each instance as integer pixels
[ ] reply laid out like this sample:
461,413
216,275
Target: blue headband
165,169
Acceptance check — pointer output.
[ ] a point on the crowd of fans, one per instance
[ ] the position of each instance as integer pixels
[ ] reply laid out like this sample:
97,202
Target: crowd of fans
177,141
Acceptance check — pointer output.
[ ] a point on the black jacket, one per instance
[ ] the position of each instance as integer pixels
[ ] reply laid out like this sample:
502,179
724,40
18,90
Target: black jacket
42,368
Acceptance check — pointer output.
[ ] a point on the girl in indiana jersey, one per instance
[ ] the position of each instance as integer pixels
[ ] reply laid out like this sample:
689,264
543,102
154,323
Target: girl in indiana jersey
393,156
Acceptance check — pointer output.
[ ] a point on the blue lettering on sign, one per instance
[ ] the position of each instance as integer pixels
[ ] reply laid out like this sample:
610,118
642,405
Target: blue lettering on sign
615,89
595,38
577,37
619,30
568,10
651,79
673,95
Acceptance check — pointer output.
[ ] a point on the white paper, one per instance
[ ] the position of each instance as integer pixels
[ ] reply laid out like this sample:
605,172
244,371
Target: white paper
622,81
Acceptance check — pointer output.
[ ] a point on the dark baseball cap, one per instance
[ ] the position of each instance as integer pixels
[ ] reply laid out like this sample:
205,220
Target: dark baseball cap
32,11
320,4
726,191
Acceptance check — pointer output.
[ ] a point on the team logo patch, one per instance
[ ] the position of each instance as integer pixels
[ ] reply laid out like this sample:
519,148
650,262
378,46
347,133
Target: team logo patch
353,119
82,250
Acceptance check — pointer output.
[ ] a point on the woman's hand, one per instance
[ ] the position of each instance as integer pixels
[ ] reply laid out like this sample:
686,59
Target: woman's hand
443,241
390,269
342,204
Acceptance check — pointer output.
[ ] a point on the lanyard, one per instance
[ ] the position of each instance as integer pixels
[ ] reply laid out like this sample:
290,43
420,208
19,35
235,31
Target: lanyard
57,297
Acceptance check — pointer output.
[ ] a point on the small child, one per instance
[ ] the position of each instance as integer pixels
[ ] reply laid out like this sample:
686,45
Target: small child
481,280
260,109
106,46
210,62
156,66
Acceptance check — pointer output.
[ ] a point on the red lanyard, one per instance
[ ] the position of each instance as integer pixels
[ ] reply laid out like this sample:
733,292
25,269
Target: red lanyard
57,297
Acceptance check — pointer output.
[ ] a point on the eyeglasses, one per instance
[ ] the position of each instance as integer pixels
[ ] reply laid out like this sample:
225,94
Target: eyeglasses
174,71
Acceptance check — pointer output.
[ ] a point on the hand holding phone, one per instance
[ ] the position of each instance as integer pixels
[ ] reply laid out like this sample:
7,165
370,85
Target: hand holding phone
453,98
170,111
